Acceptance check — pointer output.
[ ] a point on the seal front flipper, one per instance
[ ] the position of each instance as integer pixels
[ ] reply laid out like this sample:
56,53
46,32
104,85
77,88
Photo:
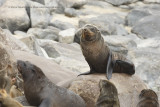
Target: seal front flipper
125,67
109,69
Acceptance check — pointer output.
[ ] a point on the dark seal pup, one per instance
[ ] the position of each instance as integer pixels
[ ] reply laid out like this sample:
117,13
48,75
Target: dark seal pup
40,91
148,98
99,56
108,95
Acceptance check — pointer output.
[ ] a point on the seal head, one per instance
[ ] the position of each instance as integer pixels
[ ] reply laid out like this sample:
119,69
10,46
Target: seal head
90,33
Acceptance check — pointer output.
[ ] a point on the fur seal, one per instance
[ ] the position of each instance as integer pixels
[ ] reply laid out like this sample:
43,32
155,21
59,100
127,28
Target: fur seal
40,91
108,95
99,57
148,98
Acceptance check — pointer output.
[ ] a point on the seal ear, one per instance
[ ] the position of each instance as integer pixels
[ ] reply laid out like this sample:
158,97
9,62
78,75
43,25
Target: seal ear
38,71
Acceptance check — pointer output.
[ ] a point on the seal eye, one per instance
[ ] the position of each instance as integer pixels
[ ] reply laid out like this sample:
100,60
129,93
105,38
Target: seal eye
33,71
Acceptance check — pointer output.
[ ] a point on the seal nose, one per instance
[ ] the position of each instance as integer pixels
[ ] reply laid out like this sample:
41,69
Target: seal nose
85,30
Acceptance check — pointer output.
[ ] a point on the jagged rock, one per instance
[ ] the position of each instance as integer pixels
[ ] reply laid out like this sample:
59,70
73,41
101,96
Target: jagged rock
148,27
39,16
52,70
13,18
87,87
67,36
119,2
51,34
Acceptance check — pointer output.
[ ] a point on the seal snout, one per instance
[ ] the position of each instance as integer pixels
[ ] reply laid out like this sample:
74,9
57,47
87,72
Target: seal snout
20,64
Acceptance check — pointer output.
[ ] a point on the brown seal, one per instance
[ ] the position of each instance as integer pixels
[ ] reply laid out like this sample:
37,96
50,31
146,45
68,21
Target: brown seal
40,91
99,57
148,98
108,95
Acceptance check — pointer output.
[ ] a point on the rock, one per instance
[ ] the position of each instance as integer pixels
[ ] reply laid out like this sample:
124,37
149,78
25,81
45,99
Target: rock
20,33
52,70
151,1
147,63
52,4
22,100
106,23
67,36
48,33
17,21
119,2
12,42
148,27
70,4
66,55
120,30
1,2
71,12
77,36
39,16
61,25
87,87
120,44
39,1
136,14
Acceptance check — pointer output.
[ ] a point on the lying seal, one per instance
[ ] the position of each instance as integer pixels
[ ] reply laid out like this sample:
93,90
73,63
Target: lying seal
99,56
148,98
39,91
108,95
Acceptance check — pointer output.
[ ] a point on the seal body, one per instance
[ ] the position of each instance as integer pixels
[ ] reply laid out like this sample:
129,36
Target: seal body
40,91
108,95
148,98
98,55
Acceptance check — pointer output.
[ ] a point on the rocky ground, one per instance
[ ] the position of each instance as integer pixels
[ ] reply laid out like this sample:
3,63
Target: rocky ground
49,30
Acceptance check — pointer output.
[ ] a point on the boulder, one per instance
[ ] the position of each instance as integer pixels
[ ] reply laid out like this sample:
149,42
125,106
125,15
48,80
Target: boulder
67,36
61,25
39,16
52,5
39,1
13,18
66,55
20,33
148,27
129,87
48,33
120,44
136,14
107,23
70,4
10,41
147,61
119,2
52,70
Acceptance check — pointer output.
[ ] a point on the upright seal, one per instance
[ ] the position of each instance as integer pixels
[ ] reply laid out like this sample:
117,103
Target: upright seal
40,91
99,57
